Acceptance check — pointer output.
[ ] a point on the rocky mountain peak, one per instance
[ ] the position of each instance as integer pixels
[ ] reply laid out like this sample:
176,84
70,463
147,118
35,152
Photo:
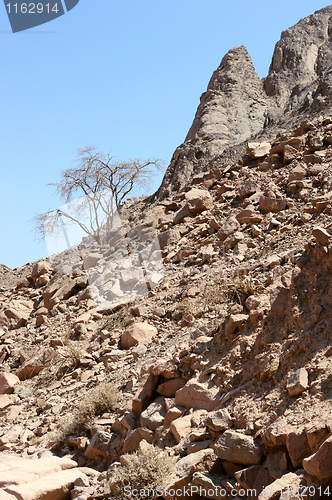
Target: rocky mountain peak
228,110
238,105
302,55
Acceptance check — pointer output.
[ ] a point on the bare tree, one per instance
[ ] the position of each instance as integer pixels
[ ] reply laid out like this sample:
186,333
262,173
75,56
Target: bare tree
100,185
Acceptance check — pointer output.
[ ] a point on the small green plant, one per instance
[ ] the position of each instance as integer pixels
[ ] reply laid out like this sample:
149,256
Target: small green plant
148,469
102,398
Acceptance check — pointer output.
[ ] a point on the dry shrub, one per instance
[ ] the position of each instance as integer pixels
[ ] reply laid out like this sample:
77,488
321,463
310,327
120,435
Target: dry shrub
218,295
102,398
193,306
117,319
147,469
231,290
71,355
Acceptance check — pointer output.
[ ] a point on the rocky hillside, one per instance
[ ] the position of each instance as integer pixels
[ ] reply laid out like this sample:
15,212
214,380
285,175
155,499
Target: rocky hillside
216,381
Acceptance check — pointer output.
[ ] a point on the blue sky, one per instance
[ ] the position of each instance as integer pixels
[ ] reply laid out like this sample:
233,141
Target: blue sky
124,76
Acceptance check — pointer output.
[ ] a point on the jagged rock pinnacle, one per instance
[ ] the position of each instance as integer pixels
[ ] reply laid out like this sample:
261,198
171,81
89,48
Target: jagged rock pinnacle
238,105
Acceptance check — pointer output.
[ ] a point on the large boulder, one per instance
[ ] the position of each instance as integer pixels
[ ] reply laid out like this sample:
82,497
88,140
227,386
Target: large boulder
198,200
197,395
154,415
319,464
238,448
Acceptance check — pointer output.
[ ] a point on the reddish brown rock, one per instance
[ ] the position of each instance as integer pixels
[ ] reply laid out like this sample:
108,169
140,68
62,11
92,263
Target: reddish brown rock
40,268
17,315
170,387
144,393
201,461
154,415
7,382
169,237
36,361
321,235
317,432
7,400
288,485
229,226
219,420
168,369
102,446
172,414
297,446
181,427
135,437
268,204
238,448
249,216
289,154
233,322
198,200
197,395
60,287
279,297
319,464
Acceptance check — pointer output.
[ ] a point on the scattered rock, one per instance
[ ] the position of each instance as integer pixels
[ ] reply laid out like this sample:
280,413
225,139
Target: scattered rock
197,395
321,235
238,448
268,204
258,149
138,333
297,382
7,382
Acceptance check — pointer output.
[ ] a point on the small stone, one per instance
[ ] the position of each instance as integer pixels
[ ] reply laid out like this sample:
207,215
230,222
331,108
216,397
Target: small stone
7,382
258,149
234,321
297,382
91,260
321,235
102,445
219,420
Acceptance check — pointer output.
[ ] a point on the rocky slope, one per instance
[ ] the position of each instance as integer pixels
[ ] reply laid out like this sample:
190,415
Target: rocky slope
223,360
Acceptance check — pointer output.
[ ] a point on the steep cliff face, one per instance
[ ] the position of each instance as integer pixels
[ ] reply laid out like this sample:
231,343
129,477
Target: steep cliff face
238,105
301,61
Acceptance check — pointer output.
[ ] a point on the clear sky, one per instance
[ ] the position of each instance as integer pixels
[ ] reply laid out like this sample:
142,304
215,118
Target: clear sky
124,76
